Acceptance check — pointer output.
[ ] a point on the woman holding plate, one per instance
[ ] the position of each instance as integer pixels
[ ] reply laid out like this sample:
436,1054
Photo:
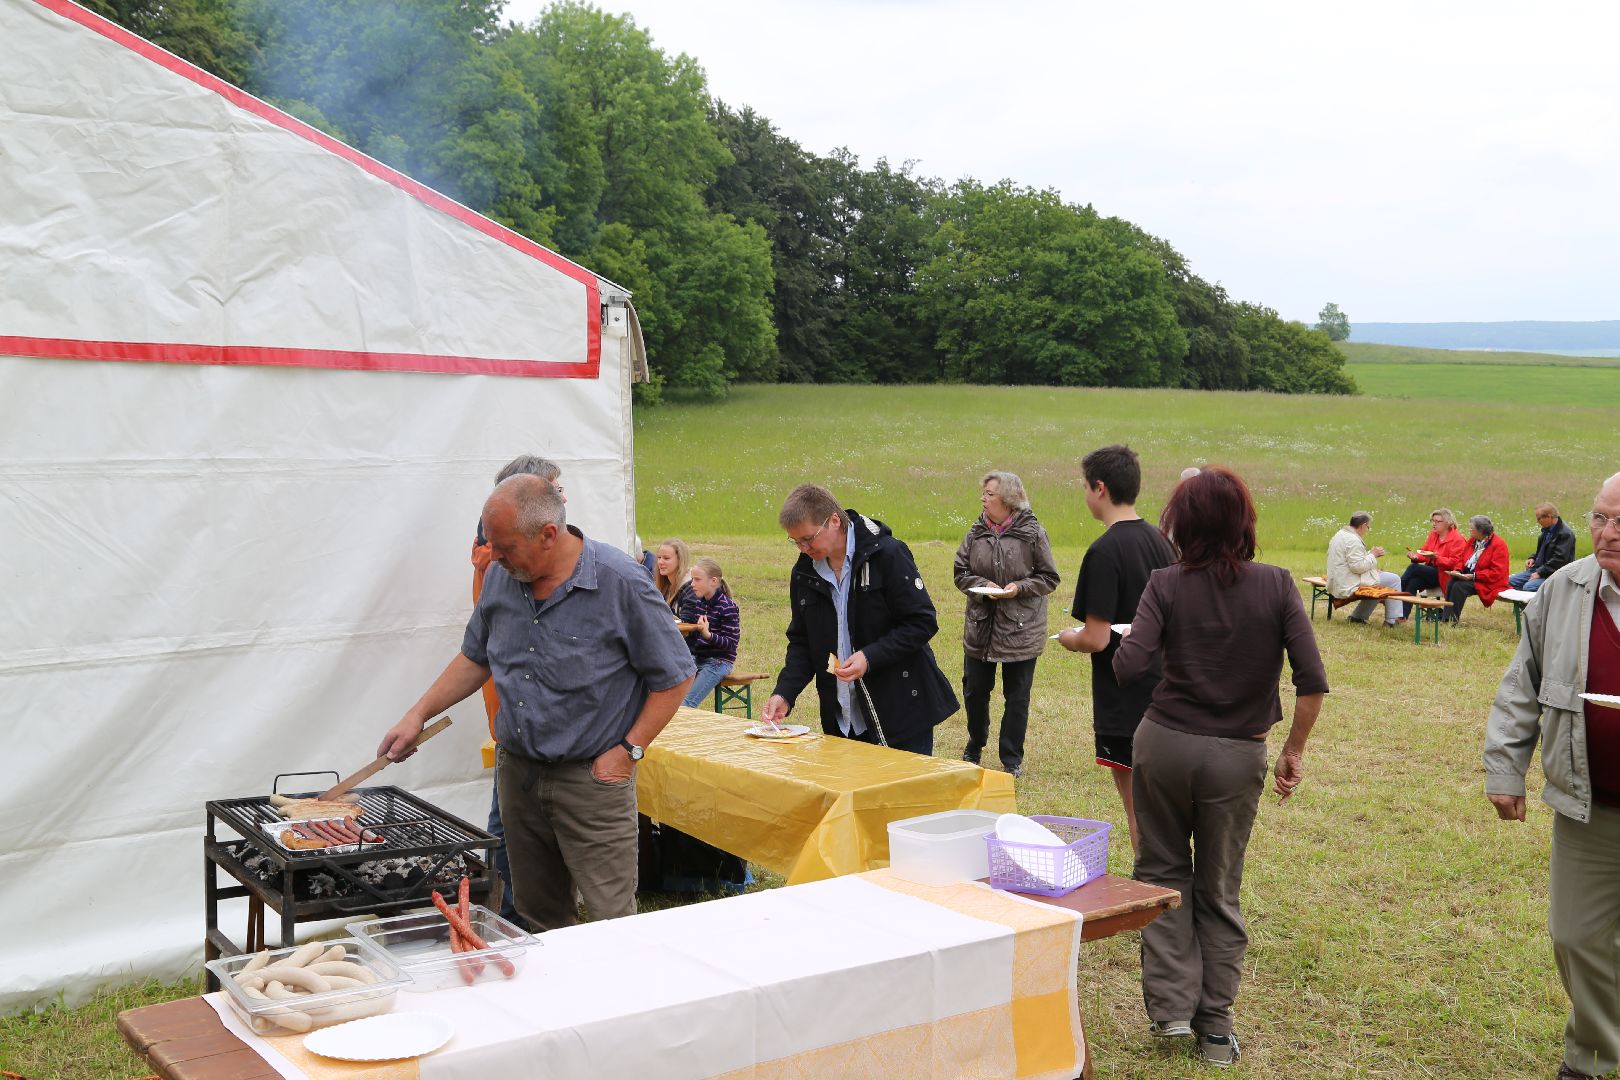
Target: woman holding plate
1005,569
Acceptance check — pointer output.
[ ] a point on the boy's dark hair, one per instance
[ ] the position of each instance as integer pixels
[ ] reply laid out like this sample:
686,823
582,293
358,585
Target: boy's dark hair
1118,467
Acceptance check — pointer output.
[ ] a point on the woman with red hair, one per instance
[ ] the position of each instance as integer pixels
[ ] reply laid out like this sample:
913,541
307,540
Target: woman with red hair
1224,623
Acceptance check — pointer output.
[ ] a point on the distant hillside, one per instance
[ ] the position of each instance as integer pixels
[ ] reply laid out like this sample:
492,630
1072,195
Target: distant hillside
1522,336
1361,352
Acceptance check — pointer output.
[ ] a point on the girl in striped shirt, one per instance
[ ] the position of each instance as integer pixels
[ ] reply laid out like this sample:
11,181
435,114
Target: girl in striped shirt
719,628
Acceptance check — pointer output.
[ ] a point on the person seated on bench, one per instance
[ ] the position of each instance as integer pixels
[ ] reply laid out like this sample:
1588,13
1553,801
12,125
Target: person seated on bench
1555,548
1351,564
672,573
719,628
1483,574
1445,549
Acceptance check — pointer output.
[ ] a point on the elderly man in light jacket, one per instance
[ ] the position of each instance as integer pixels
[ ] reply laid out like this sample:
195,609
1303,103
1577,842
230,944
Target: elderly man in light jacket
1571,647
1351,564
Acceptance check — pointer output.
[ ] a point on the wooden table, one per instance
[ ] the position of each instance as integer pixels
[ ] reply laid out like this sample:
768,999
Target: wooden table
184,1039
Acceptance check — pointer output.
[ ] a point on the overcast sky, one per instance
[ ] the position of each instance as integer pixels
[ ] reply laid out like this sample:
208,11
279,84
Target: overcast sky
1411,162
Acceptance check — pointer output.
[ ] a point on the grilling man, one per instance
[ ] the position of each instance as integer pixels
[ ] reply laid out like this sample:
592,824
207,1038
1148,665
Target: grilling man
590,667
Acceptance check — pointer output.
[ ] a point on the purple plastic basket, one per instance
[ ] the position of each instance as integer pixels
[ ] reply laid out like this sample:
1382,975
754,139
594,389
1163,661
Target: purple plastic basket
1051,871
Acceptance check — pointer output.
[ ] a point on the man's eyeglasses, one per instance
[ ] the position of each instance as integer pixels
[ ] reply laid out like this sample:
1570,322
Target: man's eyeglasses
1599,521
803,543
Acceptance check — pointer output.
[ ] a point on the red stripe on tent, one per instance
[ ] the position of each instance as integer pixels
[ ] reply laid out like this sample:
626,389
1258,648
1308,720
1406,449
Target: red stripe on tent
162,353
421,192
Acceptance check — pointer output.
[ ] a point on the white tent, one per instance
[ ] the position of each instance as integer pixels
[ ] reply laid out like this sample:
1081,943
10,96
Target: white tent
254,387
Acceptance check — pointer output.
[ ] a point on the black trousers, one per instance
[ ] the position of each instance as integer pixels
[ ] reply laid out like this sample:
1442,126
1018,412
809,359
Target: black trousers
1458,593
978,679
1420,575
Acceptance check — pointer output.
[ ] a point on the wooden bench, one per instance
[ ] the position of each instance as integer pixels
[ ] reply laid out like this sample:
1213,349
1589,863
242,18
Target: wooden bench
738,687
1417,605
1319,591
1518,598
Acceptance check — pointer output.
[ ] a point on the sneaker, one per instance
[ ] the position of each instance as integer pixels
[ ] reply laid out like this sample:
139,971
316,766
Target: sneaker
970,755
1170,1029
1220,1051
1567,1073
1014,771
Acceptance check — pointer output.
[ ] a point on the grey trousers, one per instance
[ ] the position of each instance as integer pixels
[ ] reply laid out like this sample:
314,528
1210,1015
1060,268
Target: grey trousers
565,829
1195,791
1584,920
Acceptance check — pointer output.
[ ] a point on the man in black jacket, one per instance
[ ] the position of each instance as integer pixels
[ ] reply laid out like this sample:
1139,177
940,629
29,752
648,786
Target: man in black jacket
1555,549
860,626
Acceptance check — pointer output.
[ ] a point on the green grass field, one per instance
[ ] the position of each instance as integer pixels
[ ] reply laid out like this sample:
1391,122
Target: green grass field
1356,352
1398,930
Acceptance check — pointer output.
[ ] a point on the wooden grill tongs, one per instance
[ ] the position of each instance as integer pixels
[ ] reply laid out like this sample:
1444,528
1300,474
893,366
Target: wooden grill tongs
348,782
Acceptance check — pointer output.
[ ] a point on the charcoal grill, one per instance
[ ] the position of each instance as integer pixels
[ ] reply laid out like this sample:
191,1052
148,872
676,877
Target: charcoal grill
411,828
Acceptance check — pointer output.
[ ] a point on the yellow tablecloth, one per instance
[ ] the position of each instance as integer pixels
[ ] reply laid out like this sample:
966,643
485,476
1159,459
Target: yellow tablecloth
809,808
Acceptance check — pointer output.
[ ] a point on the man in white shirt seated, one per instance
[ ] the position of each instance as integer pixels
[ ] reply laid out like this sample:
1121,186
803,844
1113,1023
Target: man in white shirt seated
1351,564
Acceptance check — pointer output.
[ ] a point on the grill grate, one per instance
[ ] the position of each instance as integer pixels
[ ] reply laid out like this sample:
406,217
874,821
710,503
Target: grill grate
408,826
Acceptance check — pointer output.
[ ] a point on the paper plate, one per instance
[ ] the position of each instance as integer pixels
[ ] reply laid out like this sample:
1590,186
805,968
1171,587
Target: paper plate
988,590
1018,829
381,1038
1608,701
1121,628
786,731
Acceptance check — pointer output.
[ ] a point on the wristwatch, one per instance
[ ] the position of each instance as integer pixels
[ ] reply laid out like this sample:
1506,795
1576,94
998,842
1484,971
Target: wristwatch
632,749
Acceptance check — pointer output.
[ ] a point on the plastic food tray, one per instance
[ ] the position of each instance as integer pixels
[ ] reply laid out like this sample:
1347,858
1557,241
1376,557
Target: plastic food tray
420,945
1051,871
272,1017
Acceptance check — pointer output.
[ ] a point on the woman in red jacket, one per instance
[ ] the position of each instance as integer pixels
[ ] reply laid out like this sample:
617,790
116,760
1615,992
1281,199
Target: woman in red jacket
1483,574
1445,549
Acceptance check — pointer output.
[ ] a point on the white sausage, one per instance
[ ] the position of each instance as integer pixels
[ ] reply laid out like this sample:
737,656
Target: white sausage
260,958
345,969
332,955
302,978
305,954
292,1021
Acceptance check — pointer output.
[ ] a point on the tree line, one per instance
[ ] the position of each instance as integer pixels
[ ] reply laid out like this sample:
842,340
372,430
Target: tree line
751,258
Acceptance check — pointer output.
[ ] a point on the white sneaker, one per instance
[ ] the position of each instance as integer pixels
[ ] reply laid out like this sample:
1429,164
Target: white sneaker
1220,1051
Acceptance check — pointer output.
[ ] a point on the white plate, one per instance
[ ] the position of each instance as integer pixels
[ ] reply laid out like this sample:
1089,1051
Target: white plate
1018,829
786,731
381,1038
1076,629
988,590
1121,628
1608,701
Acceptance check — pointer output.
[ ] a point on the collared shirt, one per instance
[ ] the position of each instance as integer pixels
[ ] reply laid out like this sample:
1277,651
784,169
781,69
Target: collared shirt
849,720
1609,593
573,670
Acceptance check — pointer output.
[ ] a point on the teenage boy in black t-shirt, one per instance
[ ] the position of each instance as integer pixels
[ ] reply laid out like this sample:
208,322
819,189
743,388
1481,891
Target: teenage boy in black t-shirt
1112,576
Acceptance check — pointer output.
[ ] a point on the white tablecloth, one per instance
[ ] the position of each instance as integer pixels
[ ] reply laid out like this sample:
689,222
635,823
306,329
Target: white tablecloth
860,976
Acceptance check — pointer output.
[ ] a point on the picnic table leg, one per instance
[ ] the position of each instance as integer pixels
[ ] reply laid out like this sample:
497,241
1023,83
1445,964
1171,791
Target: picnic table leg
1417,621
1518,612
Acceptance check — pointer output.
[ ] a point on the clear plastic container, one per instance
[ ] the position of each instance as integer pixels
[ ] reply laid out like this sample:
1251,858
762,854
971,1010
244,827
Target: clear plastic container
309,1011
420,945
938,849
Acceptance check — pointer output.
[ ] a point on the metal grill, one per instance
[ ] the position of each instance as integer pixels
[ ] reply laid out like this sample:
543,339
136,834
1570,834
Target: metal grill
444,846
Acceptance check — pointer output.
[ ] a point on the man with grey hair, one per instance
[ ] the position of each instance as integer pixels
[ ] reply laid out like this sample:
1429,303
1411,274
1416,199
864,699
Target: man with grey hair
1352,565
860,626
1569,654
590,667
551,472
1555,549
